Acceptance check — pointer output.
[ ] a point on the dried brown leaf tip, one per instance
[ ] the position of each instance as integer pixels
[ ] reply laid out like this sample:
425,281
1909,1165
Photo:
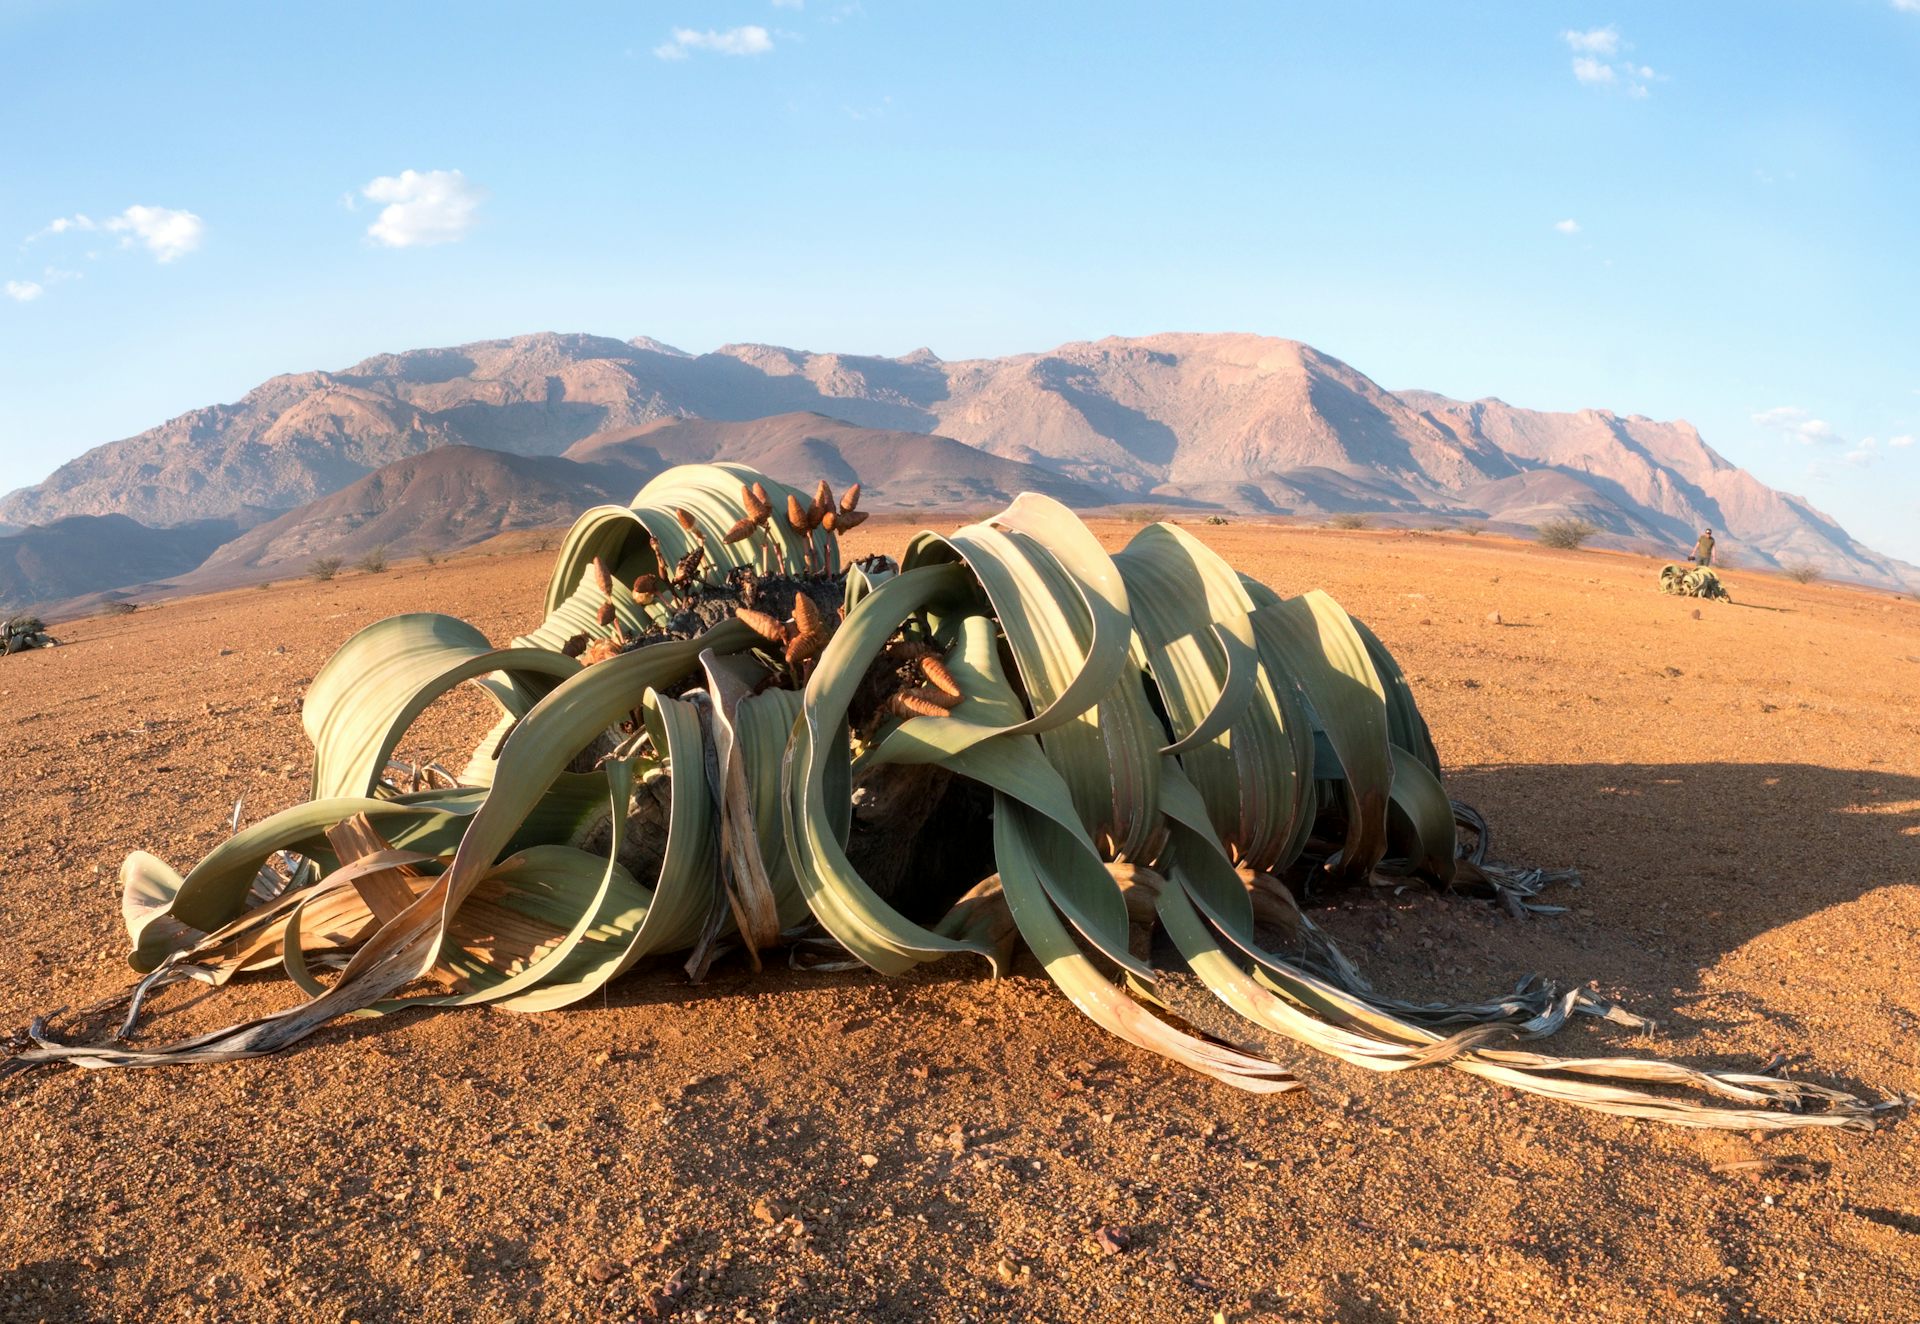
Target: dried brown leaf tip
687,521
797,515
763,625
850,500
920,702
806,616
600,650
742,528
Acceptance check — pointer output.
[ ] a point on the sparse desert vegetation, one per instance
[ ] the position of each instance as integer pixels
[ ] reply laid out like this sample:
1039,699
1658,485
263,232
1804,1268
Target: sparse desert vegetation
1800,572
374,561
1566,533
1350,519
323,568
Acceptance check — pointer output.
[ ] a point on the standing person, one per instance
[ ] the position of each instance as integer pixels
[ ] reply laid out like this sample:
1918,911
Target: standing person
1703,550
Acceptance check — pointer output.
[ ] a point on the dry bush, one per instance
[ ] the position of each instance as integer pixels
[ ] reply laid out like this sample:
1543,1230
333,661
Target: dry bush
120,609
1801,572
1350,519
1566,532
323,568
375,561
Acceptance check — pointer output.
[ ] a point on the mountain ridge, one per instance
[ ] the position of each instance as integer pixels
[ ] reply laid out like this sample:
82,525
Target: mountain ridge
1236,421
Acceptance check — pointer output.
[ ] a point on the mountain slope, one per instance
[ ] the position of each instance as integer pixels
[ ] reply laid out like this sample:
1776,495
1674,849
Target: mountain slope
448,498
88,553
456,496
1239,421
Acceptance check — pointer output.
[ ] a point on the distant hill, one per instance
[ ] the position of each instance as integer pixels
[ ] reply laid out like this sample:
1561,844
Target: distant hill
448,498
455,496
84,554
1235,421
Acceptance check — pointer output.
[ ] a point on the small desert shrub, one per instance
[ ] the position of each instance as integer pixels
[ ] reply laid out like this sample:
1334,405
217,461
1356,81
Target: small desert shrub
324,568
120,608
1801,572
264,585
1217,519
431,558
1565,532
1471,529
1350,519
1141,514
375,561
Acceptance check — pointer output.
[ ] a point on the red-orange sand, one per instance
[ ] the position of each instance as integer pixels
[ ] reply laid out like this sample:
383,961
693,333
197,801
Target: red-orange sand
1742,790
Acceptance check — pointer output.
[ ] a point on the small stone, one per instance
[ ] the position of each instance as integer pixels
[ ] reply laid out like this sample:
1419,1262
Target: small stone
603,1271
1111,1240
764,1212
1494,616
869,1160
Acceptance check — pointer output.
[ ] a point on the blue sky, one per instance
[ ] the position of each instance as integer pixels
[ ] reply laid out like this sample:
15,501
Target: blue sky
1699,211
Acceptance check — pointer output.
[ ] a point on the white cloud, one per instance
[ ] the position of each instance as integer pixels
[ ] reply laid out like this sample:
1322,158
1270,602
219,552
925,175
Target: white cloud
1589,70
1798,424
163,231
789,4
749,40
1568,226
1901,443
422,207
1599,41
166,232
1907,6
24,291
1595,63
1864,454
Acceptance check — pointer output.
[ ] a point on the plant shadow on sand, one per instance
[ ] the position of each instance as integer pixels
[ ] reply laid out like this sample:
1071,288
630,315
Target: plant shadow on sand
1684,865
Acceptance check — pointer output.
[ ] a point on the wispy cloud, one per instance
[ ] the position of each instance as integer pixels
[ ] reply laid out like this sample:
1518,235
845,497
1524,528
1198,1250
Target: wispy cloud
1596,61
422,207
1568,226
1902,442
24,291
789,4
166,232
752,39
1907,6
1799,425
1594,41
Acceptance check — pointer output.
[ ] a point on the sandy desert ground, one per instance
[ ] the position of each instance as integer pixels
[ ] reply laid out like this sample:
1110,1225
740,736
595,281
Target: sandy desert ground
1740,783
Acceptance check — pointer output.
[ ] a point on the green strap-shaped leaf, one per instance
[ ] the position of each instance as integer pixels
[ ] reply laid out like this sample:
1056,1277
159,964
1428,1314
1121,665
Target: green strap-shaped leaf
839,898
368,694
1315,643
1420,826
1406,727
1237,739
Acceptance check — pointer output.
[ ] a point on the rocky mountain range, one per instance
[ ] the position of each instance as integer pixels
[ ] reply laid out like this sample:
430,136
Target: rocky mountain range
1233,422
